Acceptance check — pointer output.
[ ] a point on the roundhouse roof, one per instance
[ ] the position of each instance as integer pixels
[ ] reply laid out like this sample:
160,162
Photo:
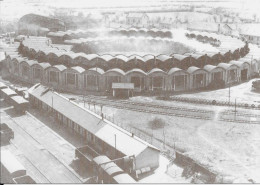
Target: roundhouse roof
96,69
174,70
155,70
136,70
193,69
117,70
78,69
210,68
60,67
225,65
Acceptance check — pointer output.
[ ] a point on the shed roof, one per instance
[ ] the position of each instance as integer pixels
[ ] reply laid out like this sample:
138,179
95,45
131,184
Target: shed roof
9,161
103,129
122,57
8,92
19,99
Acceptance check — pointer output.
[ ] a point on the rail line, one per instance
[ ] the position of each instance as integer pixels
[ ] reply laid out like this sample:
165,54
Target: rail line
151,108
47,151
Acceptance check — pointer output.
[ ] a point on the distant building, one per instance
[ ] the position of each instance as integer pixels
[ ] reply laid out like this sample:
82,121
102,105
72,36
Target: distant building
32,23
251,33
137,20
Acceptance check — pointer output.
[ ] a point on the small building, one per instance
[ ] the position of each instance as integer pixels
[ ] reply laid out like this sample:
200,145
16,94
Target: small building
178,80
122,90
231,72
198,77
251,33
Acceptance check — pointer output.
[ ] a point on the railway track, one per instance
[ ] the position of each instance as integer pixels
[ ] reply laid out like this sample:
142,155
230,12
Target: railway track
49,152
151,108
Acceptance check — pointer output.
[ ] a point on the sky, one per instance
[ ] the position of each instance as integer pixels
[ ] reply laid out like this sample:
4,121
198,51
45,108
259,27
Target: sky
14,9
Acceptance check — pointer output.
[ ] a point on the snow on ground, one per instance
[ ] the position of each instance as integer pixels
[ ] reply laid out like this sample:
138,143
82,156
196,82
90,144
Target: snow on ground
230,149
242,93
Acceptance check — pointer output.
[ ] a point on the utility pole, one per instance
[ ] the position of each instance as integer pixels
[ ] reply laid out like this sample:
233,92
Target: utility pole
235,109
115,146
229,94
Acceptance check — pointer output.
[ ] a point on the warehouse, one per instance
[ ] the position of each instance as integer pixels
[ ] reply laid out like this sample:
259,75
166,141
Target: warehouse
93,79
54,75
198,77
99,134
137,77
231,72
113,76
178,79
73,78
156,79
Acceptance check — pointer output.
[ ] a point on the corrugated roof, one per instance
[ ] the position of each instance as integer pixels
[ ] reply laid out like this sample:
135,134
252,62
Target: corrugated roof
103,129
238,63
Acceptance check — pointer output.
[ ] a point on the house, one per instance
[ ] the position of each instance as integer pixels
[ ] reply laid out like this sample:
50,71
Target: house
140,20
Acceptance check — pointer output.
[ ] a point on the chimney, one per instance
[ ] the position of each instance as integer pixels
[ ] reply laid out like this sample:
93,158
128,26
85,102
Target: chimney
132,134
